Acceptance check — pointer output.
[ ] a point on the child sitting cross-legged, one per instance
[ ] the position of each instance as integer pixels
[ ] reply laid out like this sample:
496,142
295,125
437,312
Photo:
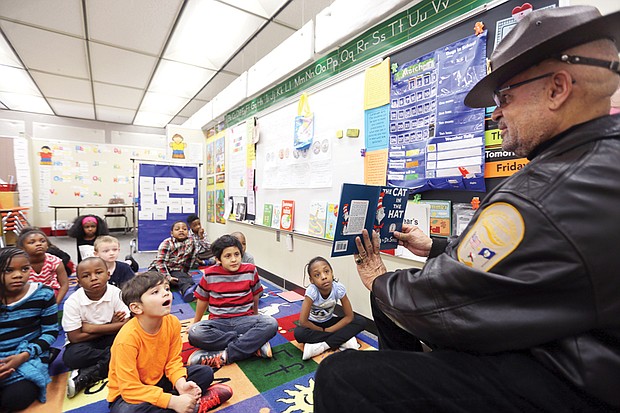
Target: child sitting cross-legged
175,257
146,370
91,318
319,328
230,290
107,248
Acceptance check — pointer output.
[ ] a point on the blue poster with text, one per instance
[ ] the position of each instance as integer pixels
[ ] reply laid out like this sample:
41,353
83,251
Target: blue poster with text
435,141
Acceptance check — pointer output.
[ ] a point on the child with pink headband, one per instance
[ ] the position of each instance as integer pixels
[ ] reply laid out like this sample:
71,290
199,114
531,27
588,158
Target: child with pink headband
85,229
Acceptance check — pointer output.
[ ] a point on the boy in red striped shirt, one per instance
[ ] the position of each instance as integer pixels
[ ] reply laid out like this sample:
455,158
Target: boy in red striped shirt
230,291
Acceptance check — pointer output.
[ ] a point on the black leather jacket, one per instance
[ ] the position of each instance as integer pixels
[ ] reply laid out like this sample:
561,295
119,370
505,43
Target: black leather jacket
557,294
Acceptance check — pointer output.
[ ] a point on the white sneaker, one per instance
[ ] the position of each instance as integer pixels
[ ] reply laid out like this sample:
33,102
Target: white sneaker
350,344
314,349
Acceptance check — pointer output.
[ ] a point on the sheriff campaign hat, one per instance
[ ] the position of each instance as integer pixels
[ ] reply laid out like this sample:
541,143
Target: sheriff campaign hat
540,35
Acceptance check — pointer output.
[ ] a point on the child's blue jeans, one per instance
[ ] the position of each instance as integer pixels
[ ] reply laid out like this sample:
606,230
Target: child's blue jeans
240,336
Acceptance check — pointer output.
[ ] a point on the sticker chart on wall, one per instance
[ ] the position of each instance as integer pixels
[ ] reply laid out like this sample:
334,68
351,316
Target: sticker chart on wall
435,141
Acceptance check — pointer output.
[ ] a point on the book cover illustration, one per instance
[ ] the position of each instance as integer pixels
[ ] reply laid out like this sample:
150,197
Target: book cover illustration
316,224
330,220
390,213
267,214
376,208
287,216
275,218
441,217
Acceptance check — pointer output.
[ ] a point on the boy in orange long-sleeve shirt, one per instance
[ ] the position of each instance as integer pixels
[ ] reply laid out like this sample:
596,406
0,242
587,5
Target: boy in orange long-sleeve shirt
146,366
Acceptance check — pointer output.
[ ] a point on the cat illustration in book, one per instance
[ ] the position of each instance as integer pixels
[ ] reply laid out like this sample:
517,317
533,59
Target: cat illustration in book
380,213
345,216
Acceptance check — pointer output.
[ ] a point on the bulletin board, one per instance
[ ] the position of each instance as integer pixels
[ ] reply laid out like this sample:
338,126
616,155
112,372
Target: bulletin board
497,21
74,173
317,174
340,106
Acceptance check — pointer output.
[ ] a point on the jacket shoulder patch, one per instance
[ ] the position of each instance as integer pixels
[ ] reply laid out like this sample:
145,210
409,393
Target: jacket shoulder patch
497,232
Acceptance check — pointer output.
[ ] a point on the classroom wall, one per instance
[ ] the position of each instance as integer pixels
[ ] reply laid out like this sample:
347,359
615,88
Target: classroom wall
270,254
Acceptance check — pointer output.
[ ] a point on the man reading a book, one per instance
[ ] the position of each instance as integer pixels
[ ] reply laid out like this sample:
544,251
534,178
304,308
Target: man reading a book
521,310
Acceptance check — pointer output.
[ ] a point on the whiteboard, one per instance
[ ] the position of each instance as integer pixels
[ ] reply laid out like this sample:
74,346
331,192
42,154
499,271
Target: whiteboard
337,107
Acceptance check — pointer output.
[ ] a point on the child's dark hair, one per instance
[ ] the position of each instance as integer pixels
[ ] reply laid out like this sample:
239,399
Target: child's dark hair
176,222
6,256
26,232
223,242
191,218
77,230
86,261
138,285
311,263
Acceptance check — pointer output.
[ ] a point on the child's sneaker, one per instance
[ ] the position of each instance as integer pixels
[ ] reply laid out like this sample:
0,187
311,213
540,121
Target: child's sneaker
213,359
188,295
213,397
264,351
351,344
79,381
314,349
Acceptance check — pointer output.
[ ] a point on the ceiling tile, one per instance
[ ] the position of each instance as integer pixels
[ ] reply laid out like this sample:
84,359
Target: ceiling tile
117,96
264,42
63,87
25,103
264,8
179,120
216,85
179,79
238,64
192,107
300,12
118,115
47,51
64,16
135,70
141,25
72,109
200,44
162,103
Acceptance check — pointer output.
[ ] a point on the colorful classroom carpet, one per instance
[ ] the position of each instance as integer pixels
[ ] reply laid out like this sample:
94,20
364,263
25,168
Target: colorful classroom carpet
283,383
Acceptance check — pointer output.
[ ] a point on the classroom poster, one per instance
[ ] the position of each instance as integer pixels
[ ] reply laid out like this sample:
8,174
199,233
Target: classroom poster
436,142
166,193
220,206
237,161
210,206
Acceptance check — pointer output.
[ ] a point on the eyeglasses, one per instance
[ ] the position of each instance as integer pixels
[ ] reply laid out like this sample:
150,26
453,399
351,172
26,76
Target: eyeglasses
500,98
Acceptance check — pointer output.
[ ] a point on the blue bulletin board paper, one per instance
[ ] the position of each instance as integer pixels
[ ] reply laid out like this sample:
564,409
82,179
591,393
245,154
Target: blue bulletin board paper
436,142
174,201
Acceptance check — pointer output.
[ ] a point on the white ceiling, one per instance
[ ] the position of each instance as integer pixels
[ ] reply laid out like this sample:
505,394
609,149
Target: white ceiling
120,60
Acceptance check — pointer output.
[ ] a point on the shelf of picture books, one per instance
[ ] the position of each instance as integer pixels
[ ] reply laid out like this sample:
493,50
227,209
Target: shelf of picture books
343,221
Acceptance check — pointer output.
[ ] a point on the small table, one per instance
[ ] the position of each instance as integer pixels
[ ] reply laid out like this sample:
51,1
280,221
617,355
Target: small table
91,206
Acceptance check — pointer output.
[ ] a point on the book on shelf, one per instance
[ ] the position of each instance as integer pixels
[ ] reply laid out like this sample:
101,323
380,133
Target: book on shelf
375,208
441,217
330,220
275,218
267,214
287,215
316,224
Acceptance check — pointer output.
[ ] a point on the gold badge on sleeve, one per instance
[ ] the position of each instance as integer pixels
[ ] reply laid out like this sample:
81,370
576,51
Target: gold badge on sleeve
498,230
